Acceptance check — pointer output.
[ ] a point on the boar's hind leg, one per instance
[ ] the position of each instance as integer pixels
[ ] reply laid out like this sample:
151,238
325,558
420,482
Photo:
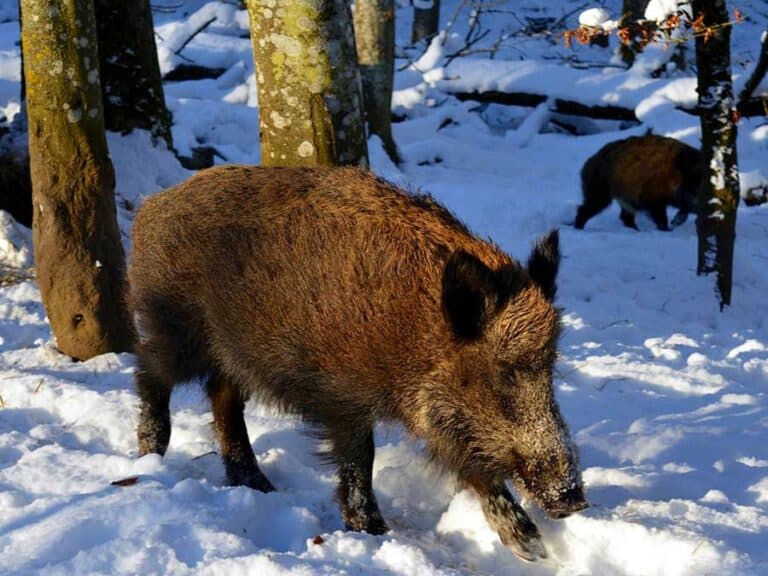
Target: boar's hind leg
154,429
658,213
240,463
596,199
516,530
353,452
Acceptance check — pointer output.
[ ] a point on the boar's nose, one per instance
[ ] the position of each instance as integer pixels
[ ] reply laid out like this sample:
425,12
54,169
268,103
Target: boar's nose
572,501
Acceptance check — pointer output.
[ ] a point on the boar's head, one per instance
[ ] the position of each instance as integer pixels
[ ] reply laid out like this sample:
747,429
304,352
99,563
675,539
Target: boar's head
490,411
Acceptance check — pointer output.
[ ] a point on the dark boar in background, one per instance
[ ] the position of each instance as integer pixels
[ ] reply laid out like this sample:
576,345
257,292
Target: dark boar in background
645,173
334,295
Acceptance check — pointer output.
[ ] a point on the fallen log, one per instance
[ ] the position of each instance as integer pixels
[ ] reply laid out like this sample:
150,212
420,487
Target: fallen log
558,105
756,106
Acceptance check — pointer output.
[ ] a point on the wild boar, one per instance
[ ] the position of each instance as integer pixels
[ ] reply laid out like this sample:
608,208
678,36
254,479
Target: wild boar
645,173
336,296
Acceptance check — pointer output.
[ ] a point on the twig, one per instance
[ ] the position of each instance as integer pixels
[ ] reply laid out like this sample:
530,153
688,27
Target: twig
195,33
600,387
211,453
412,61
167,9
615,323
567,15
696,548
39,385
465,50
452,20
2,402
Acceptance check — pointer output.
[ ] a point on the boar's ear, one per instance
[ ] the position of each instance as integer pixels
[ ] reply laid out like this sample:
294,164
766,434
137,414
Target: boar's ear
544,263
468,288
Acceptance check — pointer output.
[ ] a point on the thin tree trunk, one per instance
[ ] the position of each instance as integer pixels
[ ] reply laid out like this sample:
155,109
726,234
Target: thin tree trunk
130,74
719,196
426,19
78,253
310,96
631,12
758,73
375,38
15,185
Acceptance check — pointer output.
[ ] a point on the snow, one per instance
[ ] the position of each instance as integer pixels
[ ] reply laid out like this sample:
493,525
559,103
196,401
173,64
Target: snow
665,395
659,10
595,18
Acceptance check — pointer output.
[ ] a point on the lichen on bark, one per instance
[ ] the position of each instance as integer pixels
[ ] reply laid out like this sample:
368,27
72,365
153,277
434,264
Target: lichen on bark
310,100
78,253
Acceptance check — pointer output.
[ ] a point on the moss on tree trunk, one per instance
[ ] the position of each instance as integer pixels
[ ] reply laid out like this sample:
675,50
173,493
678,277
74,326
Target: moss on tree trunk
310,99
130,73
78,253
719,196
375,38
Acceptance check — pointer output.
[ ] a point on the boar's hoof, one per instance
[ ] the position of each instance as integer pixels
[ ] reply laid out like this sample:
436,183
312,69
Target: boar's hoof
239,474
371,523
527,548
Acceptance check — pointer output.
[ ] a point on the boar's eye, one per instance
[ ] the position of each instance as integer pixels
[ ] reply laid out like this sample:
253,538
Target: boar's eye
508,374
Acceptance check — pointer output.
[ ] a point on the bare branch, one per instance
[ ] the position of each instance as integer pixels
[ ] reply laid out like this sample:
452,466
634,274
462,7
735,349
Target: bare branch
195,33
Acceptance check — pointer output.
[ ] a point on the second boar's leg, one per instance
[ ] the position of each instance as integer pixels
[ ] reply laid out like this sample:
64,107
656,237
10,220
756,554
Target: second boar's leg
240,463
516,530
353,451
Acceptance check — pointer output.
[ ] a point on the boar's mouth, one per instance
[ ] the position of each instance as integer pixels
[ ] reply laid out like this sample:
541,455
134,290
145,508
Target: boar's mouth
565,509
569,502
557,502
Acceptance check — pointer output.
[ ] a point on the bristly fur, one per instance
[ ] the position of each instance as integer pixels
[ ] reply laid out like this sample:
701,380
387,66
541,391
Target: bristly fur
334,295
642,173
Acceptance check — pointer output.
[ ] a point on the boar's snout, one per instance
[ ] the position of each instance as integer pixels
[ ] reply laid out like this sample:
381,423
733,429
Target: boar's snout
571,502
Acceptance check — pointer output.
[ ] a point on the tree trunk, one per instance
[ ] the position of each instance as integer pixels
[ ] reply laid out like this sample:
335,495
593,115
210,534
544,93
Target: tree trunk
426,20
310,97
758,73
78,253
631,12
375,38
719,195
130,74
15,185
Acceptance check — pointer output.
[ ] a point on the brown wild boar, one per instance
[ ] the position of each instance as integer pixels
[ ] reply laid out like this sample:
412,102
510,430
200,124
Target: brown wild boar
336,296
645,173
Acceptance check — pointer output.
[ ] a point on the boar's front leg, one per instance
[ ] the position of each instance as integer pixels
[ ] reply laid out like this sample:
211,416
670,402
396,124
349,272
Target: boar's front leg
516,530
353,451
240,463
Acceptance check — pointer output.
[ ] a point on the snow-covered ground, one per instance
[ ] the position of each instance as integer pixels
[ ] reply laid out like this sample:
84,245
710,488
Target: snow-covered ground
666,396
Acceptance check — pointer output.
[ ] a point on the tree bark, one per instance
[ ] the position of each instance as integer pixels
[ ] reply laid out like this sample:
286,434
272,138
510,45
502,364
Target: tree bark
631,12
719,195
78,253
310,95
15,184
375,38
426,20
130,73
